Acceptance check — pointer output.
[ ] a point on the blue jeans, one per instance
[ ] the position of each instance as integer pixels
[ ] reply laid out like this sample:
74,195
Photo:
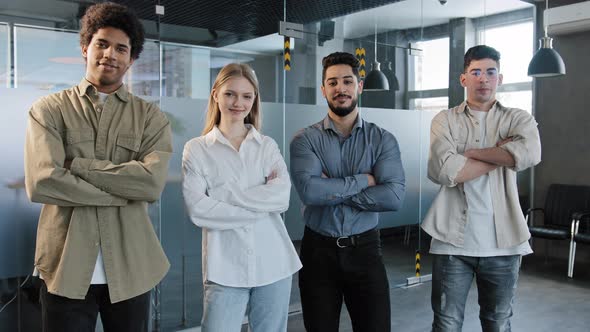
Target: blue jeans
496,279
225,307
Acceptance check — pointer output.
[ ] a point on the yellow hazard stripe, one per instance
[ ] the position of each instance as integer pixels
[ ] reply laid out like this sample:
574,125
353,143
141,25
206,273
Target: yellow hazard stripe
287,54
417,263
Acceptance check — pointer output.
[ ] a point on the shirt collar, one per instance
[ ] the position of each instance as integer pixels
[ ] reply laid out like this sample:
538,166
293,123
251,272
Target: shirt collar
465,107
86,88
216,135
329,123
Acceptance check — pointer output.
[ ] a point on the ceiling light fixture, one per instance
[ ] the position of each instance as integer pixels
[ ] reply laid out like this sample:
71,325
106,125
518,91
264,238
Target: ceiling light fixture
376,80
546,62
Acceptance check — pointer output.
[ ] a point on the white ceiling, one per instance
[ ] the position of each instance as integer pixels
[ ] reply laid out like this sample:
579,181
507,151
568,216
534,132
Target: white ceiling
404,14
407,14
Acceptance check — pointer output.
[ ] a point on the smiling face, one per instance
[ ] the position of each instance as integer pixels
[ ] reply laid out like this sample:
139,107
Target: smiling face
481,79
108,56
341,89
235,99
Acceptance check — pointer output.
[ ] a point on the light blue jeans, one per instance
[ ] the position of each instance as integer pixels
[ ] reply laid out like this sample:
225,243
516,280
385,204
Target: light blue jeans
224,307
496,279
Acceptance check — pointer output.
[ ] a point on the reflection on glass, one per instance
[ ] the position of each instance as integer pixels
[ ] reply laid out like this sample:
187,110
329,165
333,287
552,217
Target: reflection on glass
143,78
47,59
186,71
4,56
429,104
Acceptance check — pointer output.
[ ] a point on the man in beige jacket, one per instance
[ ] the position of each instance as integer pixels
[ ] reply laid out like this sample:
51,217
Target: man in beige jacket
476,222
95,155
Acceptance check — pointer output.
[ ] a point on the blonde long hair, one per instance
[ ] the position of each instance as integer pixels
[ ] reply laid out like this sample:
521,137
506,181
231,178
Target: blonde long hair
228,72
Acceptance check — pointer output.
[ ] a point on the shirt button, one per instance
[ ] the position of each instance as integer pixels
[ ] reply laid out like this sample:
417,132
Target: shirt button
477,122
464,211
98,109
250,251
96,244
477,140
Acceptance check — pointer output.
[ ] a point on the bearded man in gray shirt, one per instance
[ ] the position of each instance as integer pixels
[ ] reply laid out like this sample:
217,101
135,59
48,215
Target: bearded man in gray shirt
346,171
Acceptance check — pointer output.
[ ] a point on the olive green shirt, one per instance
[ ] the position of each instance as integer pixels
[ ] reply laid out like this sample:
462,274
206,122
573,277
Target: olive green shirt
120,151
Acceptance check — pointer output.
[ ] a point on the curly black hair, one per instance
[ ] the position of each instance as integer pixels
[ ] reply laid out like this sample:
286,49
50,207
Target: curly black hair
480,52
341,58
109,14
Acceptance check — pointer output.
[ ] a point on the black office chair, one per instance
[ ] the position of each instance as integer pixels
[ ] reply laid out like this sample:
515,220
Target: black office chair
558,214
581,235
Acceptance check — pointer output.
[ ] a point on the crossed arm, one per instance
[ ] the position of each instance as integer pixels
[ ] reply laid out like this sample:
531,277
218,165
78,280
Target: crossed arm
229,205
483,161
520,150
383,190
51,179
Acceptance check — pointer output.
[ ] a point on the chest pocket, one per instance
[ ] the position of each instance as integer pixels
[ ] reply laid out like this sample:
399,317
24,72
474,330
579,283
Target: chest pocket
126,148
460,136
79,143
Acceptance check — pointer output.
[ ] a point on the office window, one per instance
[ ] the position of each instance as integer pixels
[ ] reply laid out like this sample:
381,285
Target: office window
516,47
519,99
431,70
515,44
429,75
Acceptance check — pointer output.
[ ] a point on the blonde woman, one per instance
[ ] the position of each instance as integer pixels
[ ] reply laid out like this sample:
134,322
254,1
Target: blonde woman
235,185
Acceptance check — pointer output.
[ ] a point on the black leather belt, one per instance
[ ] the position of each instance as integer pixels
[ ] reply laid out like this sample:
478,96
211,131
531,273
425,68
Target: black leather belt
370,236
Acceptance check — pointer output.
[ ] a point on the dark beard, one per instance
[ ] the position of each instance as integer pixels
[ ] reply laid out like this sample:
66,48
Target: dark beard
342,111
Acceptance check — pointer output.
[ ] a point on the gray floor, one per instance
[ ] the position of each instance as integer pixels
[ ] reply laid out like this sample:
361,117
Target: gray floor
547,300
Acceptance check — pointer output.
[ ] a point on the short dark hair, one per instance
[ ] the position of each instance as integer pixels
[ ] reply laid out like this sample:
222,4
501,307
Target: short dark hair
109,14
341,58
480,52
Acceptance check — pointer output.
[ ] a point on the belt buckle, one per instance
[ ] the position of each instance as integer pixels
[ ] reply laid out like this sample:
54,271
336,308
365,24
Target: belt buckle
338,241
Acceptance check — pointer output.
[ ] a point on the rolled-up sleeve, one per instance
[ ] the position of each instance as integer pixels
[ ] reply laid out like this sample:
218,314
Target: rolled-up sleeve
525,146
444,162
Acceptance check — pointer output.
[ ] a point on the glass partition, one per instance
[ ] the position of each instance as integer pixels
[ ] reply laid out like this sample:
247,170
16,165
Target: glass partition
417,43
4,55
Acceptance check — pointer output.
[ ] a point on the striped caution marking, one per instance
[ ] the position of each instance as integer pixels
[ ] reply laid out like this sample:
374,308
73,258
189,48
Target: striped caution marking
417,263
287,54
360,55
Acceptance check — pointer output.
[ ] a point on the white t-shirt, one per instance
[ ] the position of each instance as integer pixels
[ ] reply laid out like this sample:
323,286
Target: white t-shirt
99,276
480,231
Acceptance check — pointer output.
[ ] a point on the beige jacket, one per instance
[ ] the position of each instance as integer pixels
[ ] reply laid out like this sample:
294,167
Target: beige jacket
120,152
453,132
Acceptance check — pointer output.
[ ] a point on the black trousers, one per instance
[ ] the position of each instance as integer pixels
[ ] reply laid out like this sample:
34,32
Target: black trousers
61,314
355,274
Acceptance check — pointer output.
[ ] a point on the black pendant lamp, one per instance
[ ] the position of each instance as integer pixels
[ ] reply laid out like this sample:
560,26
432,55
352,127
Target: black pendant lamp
546,62
390,74
376,80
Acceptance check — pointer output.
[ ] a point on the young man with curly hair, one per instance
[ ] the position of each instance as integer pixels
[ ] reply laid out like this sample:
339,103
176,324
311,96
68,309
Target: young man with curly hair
95,155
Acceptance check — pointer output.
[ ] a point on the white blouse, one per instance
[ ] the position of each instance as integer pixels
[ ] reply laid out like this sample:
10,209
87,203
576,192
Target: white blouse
245,242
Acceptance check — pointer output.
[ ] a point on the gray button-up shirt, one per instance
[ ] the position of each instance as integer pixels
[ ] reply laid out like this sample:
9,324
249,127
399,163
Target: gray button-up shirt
343,204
